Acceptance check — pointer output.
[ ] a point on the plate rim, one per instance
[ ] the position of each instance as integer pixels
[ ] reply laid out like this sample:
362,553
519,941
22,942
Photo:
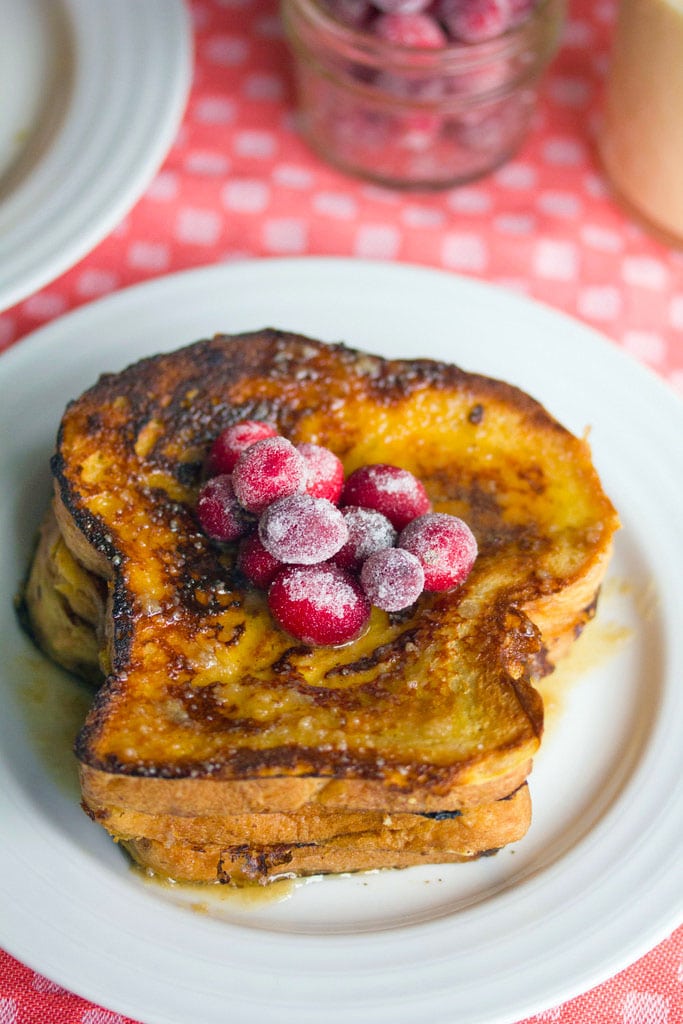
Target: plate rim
148,293
79,212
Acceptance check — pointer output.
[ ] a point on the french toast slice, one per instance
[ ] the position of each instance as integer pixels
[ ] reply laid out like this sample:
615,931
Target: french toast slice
208,709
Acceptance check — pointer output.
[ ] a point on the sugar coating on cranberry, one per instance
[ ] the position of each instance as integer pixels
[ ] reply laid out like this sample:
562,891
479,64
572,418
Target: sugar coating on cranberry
268,470
257,564
325,472
394,492
319,604
369,531
219,513
416,31
392,579
303,530
231,442
475,21
445,547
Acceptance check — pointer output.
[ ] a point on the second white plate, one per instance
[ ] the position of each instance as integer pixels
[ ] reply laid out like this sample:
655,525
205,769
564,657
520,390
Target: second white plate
91,95
597,880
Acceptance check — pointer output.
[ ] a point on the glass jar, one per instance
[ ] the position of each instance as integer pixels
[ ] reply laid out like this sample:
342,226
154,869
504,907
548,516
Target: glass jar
641,141
416,118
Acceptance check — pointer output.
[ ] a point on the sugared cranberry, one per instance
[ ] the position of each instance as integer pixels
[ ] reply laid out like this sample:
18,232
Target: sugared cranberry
417,31
445,547
402,6
257,564
394,492
325,472
474,21
369,531
319,604
392,579
302,530
268,470
231,442
219,513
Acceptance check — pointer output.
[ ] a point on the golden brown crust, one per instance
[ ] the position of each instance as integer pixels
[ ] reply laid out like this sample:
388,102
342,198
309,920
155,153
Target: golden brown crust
392,845
220,750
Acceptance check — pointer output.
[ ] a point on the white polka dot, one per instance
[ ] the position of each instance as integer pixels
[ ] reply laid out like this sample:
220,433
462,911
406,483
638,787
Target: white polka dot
245,195
285,235
292,176
676,312
464,252
8,1011
258,144
335,204
556,261
215,110
377,241
422,217
96,282
7,329
605,12
599,302
269,26
596,186
101,1017
228,51
164,188
207,162
645,1008
559,204
645,345
469,200
563,152
199,227
262,86
601,238
569,92
645,272
152,256
41,984
45,305
578,33
517,176
515,223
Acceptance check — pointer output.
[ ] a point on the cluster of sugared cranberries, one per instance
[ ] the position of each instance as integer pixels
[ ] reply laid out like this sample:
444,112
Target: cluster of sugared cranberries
326,548
431,24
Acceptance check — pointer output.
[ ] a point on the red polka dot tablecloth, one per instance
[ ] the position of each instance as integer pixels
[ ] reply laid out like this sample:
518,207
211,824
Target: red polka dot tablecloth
238,182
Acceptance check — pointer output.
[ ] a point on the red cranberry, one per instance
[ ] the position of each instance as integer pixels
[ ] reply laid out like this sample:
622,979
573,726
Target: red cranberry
402,6
231,442
369,531
394,492
219,513
319,604
302,530
417,31
257,564
325,472
393,579
268,470
476,20
444,545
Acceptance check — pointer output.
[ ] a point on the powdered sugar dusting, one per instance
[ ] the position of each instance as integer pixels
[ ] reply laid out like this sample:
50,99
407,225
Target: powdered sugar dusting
328,593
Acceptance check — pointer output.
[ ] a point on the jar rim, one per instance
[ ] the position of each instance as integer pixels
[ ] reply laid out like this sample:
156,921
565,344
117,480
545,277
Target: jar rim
363,46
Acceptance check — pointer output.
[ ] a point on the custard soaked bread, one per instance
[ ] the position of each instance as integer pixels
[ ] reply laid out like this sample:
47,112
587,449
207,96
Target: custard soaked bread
216,741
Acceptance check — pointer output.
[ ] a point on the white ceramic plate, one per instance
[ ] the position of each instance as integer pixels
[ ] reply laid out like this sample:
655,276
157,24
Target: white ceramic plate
91,95
595,883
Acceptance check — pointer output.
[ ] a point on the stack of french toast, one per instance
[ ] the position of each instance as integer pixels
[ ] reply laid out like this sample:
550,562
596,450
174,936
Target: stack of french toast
220,748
